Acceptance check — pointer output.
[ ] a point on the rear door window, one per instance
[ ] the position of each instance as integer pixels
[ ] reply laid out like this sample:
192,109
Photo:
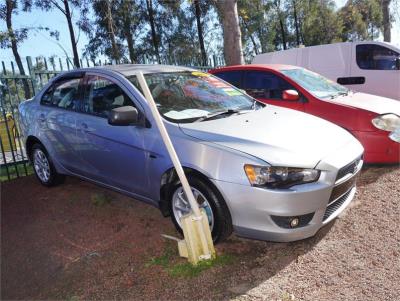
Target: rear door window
63,94
262,84
102,95
376,57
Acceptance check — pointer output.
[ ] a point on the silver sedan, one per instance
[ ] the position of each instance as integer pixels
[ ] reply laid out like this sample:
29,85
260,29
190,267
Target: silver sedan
261,171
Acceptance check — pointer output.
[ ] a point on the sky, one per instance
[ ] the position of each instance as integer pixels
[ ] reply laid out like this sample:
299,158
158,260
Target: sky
40,44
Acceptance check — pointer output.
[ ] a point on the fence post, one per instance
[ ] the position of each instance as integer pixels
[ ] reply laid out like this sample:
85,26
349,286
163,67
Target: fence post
32,75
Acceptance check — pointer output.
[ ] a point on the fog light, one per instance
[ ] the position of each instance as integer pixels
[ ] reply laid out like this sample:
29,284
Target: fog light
294,222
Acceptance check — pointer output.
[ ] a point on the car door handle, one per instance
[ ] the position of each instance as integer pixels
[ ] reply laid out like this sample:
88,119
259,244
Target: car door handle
85,127
42,118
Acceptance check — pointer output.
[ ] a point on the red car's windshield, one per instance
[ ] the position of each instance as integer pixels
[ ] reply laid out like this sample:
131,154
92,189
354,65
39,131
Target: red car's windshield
314,83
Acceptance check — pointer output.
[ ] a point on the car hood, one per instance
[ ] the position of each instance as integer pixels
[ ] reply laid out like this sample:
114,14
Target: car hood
369,102
279,136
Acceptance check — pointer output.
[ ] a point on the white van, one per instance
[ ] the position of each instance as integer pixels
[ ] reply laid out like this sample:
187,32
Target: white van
370,67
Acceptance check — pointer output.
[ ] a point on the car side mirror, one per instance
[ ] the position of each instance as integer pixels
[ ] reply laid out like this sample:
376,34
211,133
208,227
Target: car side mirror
126,115
291,95
398,63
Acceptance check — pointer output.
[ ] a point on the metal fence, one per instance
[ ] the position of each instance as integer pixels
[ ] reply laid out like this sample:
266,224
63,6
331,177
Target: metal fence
15,87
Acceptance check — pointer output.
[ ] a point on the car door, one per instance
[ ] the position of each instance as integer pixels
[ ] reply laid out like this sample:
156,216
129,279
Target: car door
57,119
375,67
112,155
268,87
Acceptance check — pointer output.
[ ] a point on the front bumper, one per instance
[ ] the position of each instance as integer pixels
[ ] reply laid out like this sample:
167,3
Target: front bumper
379,148
255,210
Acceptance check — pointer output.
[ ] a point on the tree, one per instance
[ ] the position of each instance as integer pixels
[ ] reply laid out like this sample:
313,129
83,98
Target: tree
12,38
64,6
228,12
320,23
362,20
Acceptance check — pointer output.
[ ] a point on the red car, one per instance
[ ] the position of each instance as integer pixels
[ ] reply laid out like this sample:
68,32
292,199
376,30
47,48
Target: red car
374,120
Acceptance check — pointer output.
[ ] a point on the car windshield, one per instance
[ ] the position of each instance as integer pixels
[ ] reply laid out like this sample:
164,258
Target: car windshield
190,96
316,84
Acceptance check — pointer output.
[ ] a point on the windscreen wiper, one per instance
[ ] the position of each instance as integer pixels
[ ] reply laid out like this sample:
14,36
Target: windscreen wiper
216,114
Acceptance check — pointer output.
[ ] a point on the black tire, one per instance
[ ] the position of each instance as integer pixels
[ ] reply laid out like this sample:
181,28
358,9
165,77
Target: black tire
222,218
54,177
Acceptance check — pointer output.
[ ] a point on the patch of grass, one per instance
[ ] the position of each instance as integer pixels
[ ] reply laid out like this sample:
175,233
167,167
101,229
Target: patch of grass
100,199
163,260
73,298
13,172
186,269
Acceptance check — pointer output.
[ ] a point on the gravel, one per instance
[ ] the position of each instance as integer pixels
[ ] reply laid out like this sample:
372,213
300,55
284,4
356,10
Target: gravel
59,243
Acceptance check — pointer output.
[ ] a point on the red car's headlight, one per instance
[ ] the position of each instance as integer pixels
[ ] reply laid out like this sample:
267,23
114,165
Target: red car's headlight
387,122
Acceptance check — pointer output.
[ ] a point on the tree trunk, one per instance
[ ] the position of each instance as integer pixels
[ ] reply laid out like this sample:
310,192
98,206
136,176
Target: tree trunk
296,22
283,34
386,20
233,52
250,36
127,24
110,25
149,4
200,32
129,40
14,46
71,33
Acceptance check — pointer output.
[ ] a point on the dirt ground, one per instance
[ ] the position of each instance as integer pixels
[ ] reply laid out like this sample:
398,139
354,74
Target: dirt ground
79,242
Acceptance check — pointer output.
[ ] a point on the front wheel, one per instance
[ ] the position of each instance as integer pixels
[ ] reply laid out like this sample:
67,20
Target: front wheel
219,218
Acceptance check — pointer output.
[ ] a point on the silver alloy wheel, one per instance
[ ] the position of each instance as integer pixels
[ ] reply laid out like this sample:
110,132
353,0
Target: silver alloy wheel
180,206
41,165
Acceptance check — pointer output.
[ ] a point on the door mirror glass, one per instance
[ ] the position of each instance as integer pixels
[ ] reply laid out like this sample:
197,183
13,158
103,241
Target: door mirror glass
126,115
291,95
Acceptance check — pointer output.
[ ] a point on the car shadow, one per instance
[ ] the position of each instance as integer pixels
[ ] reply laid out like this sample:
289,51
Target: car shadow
263,260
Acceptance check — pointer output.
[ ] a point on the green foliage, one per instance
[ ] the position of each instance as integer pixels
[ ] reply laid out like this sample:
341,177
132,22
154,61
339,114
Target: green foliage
186,269
13,173
362,20
100,199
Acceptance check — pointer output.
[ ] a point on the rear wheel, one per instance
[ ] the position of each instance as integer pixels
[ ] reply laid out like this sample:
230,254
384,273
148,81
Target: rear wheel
43,167
219,218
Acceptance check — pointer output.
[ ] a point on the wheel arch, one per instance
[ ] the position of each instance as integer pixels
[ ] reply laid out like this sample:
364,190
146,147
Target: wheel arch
170,176
30,142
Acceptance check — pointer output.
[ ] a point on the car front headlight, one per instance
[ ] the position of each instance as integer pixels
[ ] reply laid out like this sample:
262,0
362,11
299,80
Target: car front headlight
279,177
395,135
386,122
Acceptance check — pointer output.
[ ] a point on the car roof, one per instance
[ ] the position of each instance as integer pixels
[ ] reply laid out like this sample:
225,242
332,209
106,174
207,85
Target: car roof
276,67
130,69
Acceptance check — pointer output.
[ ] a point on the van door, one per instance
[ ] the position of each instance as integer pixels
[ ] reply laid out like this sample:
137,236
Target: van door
268,87
376,66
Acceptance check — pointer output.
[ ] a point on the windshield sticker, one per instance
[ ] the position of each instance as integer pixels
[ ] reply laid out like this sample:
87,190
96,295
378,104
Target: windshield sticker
232,92
199,73
216,82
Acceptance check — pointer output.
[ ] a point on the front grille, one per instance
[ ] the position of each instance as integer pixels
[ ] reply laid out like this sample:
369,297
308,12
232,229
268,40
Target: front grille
336,205
350,168
342,188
